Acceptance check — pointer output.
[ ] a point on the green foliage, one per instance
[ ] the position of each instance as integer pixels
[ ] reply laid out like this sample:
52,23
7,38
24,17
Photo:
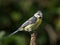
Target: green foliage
42,40
15,40
2,33
58,10
5,22
16,16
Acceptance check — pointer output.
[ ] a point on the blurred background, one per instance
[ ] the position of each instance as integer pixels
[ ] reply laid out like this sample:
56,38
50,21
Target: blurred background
14,12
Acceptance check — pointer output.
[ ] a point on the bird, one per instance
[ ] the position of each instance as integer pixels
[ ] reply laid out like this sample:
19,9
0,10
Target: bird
31,24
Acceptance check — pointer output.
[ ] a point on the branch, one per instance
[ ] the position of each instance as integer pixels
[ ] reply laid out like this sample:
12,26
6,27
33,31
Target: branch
33,39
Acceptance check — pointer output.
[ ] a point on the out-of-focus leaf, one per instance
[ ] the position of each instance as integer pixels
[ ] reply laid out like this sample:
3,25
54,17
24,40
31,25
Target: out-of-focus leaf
25,4
58,11
15,40
2,33
57,23
5,2
16,16
42,40
47,3
5,22
20,39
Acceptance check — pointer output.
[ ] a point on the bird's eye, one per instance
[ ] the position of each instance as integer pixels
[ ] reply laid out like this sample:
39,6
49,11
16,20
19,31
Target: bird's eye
38,14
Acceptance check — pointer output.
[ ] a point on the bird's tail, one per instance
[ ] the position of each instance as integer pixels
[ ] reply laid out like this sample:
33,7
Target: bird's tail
13,33
19,29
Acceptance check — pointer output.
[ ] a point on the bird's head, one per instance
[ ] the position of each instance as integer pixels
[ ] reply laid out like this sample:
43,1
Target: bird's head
38,14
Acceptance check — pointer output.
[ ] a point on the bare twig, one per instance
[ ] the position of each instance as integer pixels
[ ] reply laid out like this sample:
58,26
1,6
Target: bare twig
33,39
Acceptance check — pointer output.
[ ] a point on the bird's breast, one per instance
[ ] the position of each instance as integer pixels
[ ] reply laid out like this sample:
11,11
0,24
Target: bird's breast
38,22
33,26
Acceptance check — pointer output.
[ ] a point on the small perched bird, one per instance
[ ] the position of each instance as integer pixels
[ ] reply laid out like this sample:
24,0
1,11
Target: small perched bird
31,24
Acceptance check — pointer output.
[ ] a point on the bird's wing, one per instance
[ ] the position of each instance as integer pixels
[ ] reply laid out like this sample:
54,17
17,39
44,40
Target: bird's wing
29,21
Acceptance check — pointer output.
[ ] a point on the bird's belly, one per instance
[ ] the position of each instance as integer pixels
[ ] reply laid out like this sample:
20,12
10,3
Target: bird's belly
29,26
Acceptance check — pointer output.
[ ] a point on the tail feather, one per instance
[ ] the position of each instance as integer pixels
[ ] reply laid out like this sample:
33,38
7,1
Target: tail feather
13,33
19,29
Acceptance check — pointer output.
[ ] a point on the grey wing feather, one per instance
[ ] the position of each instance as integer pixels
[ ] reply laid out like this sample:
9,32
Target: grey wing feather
33,20
25,24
